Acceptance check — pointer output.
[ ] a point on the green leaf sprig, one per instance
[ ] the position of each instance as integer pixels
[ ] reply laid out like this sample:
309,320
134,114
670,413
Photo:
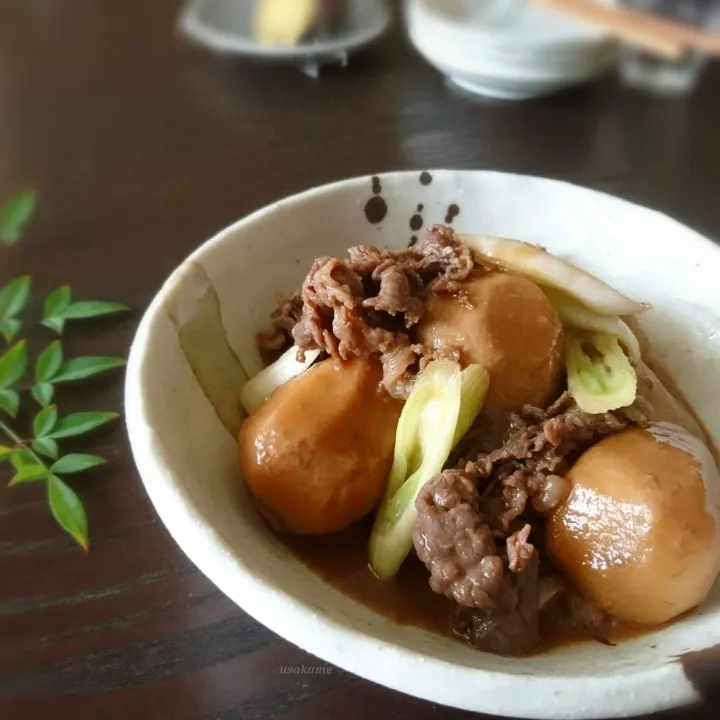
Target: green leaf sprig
37,457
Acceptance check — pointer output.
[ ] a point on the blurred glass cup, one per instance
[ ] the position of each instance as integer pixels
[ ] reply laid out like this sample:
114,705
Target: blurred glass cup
660,76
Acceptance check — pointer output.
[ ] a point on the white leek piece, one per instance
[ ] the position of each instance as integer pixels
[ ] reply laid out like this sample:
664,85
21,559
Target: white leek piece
600,376
573,314
475,384
285,368
549,270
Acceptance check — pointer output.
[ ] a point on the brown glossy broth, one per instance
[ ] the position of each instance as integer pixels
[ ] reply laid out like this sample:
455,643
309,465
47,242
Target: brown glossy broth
341,560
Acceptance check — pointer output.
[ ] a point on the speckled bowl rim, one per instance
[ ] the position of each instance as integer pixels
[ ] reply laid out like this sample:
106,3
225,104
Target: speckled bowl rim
377,660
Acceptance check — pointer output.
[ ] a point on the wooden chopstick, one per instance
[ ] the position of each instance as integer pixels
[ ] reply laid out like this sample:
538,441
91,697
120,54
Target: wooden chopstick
658,35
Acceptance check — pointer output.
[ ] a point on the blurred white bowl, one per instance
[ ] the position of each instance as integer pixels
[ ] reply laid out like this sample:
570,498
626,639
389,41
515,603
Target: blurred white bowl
187,366
507,48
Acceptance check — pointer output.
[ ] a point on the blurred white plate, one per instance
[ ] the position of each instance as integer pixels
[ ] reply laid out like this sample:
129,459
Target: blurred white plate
226,26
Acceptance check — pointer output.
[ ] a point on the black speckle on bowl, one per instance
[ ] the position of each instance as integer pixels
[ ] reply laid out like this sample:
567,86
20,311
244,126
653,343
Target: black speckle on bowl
376,185
416,222
413,240
452,212
375,209
425,178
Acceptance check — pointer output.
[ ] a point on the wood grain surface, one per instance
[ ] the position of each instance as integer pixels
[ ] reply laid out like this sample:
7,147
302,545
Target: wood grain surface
141,147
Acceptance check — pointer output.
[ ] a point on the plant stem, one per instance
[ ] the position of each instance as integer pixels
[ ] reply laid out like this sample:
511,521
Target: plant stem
12,435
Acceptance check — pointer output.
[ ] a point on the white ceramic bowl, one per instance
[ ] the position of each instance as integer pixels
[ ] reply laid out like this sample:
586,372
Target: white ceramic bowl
202,325
517,53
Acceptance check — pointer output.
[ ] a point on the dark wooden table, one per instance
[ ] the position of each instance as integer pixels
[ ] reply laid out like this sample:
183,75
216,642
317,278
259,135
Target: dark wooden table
141,147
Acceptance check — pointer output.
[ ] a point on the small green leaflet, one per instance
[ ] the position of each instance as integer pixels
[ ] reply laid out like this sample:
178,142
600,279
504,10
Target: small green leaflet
14,215
12,368
58,308
5,452
57,301
45,446
9,402
54,306
21,458
80,423
68,510
85,367
13,364
76,462
13,299
48,362
54,323
91,308
45,421
14,296
50,368
29,473
9,328
43,393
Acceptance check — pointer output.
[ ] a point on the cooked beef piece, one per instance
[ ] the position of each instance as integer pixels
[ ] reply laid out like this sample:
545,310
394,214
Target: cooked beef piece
398,365
445,261
272,343
401,292
367,304
402,362
363,259
519,550
499,595
534,456
512,626
572,428
547,491
485,435
530,413
455,543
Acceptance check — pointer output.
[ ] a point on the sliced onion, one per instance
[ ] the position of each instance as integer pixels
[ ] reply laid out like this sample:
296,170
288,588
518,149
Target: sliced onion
285,368
536,264
573,314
